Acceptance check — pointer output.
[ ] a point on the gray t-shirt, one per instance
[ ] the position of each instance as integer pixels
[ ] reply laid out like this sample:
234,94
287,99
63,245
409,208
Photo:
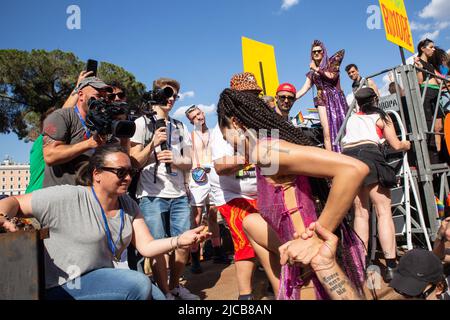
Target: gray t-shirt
64,125
78,242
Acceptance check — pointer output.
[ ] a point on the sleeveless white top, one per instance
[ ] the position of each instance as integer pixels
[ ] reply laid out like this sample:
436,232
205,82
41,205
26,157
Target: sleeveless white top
362,127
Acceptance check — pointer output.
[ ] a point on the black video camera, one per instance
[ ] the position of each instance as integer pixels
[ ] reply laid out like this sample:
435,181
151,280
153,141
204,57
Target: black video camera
158,96
105,118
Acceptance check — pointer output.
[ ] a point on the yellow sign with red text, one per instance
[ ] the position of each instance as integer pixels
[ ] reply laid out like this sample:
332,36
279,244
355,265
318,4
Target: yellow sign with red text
396,23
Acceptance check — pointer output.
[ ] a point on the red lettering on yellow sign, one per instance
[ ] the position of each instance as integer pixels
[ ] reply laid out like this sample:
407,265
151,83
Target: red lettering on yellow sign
396,25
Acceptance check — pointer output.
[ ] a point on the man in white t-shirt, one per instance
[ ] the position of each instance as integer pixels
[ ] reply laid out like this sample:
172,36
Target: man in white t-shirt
200,187
234,192
162,194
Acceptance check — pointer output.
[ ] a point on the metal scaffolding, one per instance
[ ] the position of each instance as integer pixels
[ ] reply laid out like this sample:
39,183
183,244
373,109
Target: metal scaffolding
420,173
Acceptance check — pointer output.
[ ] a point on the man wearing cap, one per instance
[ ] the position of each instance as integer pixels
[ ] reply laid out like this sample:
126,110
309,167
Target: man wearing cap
67,141
419,274
285,99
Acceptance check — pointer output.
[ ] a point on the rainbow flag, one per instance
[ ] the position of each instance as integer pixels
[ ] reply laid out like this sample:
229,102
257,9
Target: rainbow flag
299,118
312,110
440,207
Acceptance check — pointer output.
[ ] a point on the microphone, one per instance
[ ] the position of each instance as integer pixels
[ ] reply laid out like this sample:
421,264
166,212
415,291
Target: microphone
161,123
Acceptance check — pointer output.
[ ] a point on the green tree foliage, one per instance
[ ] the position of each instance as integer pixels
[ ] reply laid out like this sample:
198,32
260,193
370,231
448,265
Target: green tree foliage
32,82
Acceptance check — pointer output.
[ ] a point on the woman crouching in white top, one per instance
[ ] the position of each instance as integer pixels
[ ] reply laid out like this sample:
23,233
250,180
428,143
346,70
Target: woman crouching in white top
89,227
365,131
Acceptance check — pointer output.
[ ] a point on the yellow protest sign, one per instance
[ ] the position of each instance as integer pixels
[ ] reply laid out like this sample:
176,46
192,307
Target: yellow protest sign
259,59
396,23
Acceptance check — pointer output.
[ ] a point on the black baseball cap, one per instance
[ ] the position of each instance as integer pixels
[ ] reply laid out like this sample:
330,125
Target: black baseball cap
417,269
365,95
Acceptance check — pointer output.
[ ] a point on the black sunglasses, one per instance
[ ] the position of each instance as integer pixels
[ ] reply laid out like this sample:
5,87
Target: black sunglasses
317,51
121,173
120,95
290,98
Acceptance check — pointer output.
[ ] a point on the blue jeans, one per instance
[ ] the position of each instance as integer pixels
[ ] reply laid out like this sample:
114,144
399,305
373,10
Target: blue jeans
166,217
106,284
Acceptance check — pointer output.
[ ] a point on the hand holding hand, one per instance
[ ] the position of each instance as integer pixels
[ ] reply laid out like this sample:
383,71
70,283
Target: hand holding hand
301,250
326,257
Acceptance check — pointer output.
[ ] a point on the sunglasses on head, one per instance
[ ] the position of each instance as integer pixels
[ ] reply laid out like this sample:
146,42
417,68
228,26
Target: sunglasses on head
290,98
317,51
112,96
121,173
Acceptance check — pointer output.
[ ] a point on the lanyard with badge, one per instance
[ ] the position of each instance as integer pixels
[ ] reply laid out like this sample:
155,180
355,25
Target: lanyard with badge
111,244
199,174
83,123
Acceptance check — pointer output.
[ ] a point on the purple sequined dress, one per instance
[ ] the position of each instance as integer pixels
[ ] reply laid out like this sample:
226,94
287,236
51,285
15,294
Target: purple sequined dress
329,93
272,207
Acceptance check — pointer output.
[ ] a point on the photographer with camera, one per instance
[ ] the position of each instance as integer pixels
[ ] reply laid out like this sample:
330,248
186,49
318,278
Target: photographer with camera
67,141
161,146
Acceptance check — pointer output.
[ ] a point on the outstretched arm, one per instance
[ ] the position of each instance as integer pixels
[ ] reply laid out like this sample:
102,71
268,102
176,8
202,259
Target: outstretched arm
306,87
347,174
18,206
149,247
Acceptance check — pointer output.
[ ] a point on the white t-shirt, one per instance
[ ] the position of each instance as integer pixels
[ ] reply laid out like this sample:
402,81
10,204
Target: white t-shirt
227,188
166,186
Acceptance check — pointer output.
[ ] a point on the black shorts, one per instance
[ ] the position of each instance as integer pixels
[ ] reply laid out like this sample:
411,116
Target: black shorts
380,171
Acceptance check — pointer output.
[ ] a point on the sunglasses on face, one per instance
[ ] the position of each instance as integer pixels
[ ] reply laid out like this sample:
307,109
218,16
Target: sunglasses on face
317,51
283,98
112,96
121,173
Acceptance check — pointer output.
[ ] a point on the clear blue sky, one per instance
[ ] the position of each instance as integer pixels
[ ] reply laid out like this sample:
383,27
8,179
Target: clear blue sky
198,42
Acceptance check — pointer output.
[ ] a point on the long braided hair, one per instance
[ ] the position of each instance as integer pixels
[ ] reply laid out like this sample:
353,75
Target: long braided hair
254,113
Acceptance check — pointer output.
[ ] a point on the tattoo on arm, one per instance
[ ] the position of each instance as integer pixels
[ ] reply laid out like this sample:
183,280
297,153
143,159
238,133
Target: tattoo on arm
336,285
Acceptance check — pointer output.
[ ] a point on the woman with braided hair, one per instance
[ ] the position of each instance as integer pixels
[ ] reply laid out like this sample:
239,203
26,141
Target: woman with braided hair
285,202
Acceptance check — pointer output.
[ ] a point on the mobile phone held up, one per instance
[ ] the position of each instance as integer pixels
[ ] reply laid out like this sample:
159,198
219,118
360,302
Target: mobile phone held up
91,65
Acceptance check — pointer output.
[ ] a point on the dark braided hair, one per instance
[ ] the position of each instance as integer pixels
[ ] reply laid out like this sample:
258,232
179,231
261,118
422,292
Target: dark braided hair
254,114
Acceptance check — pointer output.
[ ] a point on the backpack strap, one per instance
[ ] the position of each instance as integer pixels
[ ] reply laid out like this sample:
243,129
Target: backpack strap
179,125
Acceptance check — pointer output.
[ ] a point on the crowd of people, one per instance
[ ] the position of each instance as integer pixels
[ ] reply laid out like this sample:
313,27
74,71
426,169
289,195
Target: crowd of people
111,204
